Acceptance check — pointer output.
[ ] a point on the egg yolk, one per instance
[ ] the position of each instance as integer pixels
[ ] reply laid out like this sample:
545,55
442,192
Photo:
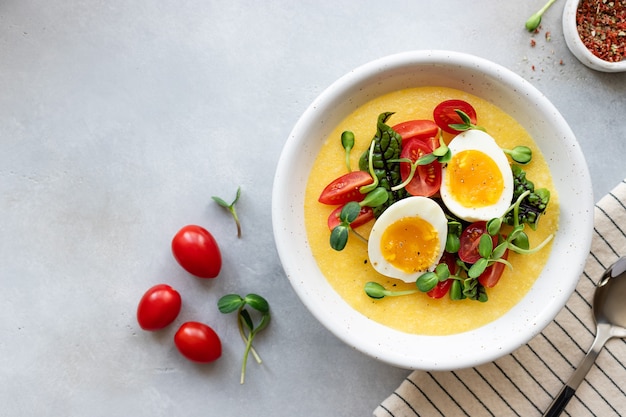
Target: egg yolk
411,244
474,179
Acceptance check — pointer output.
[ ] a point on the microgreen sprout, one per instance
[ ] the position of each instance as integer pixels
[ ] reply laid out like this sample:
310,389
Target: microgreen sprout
453,240
234,302
520,154
347,141
349,213
466,122
534,21
231,208
377,291
370,166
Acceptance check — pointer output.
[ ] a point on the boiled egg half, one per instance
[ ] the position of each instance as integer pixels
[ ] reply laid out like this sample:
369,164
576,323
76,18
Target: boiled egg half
408,238
477,181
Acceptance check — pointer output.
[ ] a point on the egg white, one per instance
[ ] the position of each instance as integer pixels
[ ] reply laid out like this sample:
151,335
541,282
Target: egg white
416,206
480,141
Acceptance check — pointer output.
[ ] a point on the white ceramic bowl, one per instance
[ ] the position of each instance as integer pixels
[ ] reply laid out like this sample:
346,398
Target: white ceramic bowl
515,96
578,48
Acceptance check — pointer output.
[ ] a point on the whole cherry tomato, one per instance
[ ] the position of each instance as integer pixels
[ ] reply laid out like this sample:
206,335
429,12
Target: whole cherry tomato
158,307
198,342
197,252
445,114
345,188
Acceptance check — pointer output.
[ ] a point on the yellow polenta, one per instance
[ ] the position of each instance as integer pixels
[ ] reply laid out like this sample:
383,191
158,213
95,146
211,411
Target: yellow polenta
348,271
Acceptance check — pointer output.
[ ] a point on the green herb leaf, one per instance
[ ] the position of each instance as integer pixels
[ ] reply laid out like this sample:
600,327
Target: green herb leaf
427,281
339,237
231,208
347,141
257,302
387,145
229,303
374,290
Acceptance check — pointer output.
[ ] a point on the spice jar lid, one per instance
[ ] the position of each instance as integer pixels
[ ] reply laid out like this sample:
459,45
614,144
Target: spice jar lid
578,48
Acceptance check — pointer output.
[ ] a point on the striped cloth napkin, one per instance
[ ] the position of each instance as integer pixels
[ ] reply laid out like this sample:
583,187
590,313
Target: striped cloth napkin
525,382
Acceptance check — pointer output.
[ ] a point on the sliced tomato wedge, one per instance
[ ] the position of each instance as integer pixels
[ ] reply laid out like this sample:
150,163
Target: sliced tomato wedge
492,274
440,289
445,115
345,188
470,238
427,178
424,130
365,215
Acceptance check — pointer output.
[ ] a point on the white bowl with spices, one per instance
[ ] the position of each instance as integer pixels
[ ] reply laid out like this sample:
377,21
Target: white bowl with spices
608,39
496,85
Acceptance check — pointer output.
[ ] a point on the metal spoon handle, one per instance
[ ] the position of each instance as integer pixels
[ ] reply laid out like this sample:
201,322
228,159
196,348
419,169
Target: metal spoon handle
567,392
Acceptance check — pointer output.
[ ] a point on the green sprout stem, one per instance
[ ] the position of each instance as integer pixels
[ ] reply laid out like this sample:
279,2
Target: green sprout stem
367,188
347,141
232,302
248,341
231,208
537,248
534,21
424,160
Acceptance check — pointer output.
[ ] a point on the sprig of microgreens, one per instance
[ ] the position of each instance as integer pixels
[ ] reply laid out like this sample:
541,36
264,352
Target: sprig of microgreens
349,213
466,122
231,208
534,21
469,287
516,240
234,302
520,154
347,141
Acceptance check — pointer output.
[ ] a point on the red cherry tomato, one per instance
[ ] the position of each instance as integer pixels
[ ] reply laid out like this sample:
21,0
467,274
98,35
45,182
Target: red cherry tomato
365,215
440,289
197,252
345,188
158,307
198,342
427,178
445,114
424,130
469,240
492,274
443,287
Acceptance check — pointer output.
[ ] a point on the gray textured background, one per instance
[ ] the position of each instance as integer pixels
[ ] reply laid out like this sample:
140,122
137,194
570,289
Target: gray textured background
119,120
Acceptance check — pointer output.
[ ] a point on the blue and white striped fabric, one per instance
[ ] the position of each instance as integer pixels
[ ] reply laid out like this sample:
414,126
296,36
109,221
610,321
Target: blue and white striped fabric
525,382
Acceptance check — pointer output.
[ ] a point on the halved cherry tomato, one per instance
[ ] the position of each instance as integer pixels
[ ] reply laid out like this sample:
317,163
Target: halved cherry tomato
492,274
197,252
365,215
445,115
469,240
440,289
158,307
427,178
198,342
443,287
425,130
345,188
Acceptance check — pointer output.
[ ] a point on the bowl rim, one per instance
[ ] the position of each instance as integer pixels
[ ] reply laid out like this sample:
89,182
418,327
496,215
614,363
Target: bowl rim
578,48
486,343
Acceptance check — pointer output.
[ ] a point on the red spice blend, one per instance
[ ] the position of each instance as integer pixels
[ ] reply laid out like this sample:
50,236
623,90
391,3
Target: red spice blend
602,28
